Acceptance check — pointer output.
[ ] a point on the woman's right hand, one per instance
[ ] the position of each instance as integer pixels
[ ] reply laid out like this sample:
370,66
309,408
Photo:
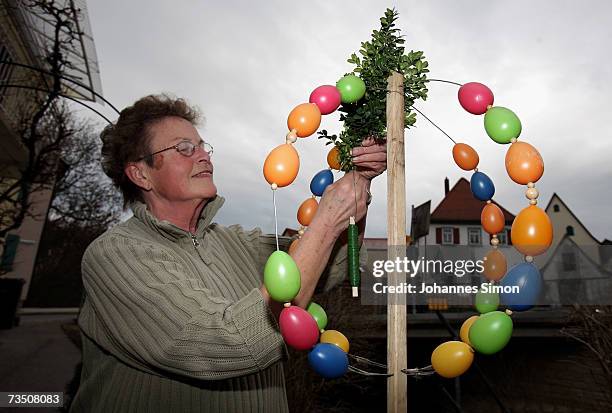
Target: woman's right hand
337,204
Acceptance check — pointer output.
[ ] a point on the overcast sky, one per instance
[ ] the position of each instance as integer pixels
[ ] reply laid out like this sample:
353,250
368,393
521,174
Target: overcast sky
246,64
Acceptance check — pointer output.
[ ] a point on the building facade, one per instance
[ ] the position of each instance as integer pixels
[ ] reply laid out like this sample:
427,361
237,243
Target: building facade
26,38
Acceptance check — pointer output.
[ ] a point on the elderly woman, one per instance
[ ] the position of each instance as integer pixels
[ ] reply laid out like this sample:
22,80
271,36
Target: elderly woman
175,316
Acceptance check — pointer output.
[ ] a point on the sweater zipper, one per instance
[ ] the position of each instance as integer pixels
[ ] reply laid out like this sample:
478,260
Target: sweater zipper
195,241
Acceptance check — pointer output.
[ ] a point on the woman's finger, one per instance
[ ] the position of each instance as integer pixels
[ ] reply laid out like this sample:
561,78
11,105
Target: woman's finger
360,150
370,157
372,166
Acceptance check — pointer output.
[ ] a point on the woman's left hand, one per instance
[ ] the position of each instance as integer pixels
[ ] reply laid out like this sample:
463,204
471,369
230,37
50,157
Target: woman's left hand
370,158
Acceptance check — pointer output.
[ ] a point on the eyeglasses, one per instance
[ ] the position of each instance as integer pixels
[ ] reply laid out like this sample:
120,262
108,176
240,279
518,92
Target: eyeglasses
185,148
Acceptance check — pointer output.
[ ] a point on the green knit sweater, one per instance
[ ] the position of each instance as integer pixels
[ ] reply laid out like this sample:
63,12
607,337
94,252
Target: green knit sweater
175,322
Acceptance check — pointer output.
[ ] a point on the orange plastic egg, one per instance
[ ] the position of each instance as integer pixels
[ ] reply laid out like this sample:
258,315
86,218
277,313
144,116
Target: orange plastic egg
532,231
524,163
495,265
464,332
282,165
293,246
307,211
465,156
333,158
305,119
492,219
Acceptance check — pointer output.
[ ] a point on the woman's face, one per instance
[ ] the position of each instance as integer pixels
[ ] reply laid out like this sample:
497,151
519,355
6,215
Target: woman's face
175,177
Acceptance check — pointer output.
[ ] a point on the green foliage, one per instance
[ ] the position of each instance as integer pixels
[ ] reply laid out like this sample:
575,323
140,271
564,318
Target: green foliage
380,56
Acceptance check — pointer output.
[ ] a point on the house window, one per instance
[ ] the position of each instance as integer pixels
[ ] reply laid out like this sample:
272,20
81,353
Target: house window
556,208
474,236
569,230
447,235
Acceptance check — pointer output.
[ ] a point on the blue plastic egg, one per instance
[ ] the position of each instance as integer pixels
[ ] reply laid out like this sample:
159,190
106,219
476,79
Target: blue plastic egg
328,360
527,278
320,181
482,186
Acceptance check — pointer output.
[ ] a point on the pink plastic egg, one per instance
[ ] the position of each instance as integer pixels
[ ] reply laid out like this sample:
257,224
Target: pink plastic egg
326,97
299,328
475,97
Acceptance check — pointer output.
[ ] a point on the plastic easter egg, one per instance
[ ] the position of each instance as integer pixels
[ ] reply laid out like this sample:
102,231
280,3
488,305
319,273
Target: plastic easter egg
482,187
328,360
282,277
452,359
486,302
333,158
298,328
327,98
282,165
492,219
465,156
351,88
464,332
305,119
527,278
495,265
491,332
532,231
293,246
524,163
318,313
320,181
502,125
307,211
336,338
475,97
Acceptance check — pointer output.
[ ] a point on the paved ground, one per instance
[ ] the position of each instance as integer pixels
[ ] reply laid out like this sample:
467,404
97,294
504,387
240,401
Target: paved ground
37,356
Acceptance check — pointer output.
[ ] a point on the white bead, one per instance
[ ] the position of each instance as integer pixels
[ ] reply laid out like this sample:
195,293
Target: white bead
533,202
532,193
513,140
530,185
301,232
274,187
494,241
528,258
291,136
287,305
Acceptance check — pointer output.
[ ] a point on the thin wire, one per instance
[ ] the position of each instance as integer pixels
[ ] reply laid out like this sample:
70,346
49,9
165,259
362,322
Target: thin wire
416,372
423,371
360,359
444,81
421,113
368,373
430,121
275,219
364,360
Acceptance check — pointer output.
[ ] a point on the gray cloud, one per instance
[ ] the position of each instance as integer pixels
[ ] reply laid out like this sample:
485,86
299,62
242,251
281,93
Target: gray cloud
247,64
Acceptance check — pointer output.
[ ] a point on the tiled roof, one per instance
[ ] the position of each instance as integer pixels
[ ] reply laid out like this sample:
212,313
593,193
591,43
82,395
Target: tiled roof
459,205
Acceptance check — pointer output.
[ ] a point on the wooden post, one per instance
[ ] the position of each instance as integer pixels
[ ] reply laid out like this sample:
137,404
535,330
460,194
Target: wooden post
396,242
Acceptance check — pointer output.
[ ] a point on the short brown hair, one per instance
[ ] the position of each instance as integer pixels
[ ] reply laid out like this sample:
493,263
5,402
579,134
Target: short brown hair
128,139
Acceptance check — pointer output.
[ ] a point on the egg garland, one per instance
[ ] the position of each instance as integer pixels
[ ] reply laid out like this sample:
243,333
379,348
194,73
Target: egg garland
531,235
305,329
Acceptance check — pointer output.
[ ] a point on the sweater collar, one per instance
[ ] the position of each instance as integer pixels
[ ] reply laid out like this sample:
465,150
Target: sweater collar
171,231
